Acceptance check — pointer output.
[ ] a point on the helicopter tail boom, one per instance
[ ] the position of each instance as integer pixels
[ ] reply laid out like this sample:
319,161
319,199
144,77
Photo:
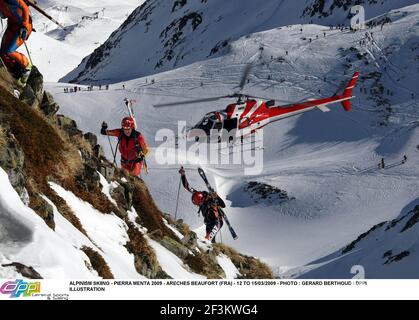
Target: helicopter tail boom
347,93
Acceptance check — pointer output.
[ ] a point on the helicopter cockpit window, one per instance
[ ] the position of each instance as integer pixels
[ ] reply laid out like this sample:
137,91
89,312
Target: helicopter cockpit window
218,126
270,103
207,123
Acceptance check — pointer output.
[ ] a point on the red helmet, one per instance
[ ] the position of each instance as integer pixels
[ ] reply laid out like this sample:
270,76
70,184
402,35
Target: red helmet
128,123
197,198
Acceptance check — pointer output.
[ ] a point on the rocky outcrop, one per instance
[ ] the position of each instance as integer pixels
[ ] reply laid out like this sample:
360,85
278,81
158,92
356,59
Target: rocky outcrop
12,160
33,94
43,209
353,244
262,192
25,271
98,263
323,9
68,125
48,105
413,220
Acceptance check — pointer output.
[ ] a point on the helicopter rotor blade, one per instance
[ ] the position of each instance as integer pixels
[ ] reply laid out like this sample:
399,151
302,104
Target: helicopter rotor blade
172,104
278,99
261,98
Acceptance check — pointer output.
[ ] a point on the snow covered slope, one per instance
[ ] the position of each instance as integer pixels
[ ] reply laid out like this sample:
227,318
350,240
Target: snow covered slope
58,254
318,159
24,237
89,23
162,35
389,250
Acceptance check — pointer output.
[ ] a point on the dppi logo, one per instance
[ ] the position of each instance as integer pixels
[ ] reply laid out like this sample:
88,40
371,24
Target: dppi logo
20,287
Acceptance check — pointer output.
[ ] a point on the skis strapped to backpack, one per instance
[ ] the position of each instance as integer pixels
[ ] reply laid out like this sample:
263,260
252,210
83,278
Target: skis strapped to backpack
204,177
34,4
213,233
128,104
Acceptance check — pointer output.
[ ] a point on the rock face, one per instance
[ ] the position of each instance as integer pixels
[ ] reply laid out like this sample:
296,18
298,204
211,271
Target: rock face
34,95
36,82
48,106
43,209
91,138
33,92
25,271
324,9
12,160
262,192
174,246
28,96
68,125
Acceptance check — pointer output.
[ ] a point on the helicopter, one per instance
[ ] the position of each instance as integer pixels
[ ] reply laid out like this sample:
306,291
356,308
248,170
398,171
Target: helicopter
251,113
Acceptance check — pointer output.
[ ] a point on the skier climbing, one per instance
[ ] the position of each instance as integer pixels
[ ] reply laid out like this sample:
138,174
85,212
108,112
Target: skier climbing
18,31
210,206
132,145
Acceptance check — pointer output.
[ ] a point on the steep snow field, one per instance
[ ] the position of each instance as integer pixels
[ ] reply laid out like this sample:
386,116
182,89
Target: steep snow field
56,52
319,159
24,237
163,35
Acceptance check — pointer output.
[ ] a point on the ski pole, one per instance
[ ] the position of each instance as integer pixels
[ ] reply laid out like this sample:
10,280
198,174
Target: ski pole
145,166
41,11
29,54
113,153
177,201
2,62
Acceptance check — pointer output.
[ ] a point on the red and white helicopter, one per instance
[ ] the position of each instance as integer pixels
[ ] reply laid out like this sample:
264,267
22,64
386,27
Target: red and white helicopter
251,113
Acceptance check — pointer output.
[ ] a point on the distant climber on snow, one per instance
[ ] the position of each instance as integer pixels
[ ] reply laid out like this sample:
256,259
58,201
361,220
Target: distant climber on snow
210,206
18,31
132,145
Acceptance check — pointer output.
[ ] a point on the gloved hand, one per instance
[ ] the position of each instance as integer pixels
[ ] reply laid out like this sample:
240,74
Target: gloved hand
23,33
140,157
214,195
104,127
182,171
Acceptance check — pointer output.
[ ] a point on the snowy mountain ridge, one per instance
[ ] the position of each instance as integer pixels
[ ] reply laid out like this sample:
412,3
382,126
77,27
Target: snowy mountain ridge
88,24
162,35
386,251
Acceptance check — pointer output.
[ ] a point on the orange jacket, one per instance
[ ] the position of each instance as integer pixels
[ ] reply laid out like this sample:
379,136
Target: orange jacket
17,12
128,145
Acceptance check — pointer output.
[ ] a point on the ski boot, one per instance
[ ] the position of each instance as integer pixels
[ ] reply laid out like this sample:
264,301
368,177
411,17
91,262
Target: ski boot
24,78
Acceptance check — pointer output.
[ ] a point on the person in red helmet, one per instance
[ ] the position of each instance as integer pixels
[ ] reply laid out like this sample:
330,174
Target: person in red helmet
19,28
210,206
132,145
